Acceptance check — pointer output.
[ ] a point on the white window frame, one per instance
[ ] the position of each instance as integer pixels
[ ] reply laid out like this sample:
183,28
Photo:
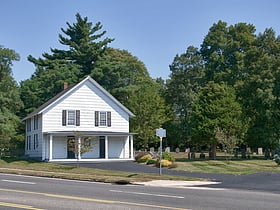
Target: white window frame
103,119
72,121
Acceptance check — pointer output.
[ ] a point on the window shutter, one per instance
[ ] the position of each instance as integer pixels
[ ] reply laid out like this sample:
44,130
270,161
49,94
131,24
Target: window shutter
96,118
77,117
63,117
109,119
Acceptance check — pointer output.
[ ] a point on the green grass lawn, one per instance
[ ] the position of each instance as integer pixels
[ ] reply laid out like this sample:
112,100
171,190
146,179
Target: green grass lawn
37,168
228,166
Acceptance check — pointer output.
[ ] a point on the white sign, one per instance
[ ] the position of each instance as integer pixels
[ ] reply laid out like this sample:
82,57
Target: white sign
160,132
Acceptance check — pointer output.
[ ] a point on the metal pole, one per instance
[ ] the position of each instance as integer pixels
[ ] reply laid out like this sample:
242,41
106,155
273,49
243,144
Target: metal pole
160,171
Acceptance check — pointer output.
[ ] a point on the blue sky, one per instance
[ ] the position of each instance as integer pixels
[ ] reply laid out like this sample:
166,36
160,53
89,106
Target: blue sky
152,30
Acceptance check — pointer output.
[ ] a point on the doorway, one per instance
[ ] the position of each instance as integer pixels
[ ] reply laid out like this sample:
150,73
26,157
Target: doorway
102,147
70,147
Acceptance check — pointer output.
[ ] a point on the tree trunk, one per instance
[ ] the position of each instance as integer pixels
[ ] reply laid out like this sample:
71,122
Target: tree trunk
212,152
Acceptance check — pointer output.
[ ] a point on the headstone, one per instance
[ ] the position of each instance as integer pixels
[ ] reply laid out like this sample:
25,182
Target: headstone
188,150
193,155
260,151
177,150
152,149
249,150
167,149
202,156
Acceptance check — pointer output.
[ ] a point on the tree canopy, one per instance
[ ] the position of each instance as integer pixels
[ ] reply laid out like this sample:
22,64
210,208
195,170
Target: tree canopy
9,99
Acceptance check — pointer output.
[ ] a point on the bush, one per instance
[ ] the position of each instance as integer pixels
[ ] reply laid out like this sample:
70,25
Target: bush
168,156
143,158
150,162
139,155
164,163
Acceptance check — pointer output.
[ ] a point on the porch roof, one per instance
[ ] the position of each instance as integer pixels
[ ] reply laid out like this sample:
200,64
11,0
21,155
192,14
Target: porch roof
88,133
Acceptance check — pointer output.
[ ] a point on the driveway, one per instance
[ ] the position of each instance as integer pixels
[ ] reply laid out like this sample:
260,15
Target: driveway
265,181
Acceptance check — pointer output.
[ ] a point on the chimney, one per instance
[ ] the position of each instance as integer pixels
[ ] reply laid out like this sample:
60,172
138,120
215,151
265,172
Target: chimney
65,85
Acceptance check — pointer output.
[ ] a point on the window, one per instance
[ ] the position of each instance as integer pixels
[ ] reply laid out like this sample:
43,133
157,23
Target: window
35,141
102,119
36,122
28,142
71,117
28,124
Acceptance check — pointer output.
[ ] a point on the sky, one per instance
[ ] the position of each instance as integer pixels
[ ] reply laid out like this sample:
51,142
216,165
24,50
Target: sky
152,30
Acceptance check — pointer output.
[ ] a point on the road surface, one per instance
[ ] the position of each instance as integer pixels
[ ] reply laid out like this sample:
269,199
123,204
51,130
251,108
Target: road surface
27,192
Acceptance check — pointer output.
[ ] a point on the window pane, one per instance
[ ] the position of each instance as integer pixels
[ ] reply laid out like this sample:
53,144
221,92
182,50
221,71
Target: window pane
71,117
103,119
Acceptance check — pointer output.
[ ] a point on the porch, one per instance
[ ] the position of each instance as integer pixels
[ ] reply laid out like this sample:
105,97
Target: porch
104,146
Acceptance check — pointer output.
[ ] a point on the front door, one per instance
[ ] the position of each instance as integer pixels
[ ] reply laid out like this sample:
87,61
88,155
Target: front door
71,147
102,146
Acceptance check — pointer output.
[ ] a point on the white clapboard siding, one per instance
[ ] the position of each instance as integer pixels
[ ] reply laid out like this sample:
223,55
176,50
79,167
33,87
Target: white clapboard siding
37,151
88,99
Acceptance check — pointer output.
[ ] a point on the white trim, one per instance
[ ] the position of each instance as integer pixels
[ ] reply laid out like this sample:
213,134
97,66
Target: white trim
51,148
106,147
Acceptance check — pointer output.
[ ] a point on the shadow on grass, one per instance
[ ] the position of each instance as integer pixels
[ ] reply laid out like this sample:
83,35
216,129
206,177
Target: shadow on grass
17,159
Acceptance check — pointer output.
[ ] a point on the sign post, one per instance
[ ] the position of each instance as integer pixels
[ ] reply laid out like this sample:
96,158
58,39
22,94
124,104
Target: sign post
160,132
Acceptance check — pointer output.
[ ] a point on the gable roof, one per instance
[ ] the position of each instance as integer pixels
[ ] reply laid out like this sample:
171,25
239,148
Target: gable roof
41,109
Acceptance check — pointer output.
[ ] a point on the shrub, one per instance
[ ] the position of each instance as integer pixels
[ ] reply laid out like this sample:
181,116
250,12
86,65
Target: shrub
150,162
164,163
168,156
144,158
139,155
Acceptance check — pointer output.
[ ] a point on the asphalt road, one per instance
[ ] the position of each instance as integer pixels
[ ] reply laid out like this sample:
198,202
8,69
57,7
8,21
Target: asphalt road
269,182
36,193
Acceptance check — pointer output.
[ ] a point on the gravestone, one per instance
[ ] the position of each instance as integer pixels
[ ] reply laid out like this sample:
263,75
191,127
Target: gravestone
167,149
177,150
260,151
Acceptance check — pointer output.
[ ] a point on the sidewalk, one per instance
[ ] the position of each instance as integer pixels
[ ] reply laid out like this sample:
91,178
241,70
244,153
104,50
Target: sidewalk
178,184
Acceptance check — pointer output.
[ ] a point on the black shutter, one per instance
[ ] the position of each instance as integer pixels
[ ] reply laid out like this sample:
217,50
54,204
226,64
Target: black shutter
96,118
63,117
109,119
77,117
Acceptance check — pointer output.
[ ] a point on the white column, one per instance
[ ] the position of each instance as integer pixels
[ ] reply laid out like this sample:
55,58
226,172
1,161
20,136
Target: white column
131,148
79,148
43,150
51,147
106,147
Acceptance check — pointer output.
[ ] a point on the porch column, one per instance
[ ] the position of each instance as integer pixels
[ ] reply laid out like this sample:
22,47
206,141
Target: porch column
106,147
51,147
43,151
79,148
131,147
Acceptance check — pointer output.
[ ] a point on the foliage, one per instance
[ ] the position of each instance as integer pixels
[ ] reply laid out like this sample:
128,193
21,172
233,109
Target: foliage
164,163
151,162
9,100
182,88
217,109
150,110
168,156
142,157
83,46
